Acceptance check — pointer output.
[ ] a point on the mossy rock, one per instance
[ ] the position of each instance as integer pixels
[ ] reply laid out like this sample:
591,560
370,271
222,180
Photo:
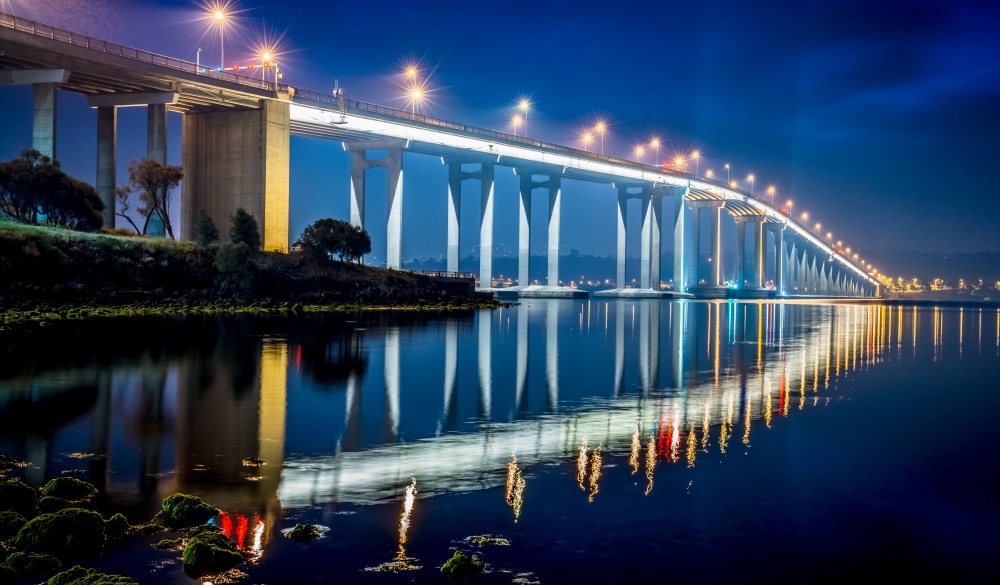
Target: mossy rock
50,504
462,567
10,524
29,564
304,533
80,576
167,544
116,526
146,529
73,534
17,496
68,488
184,511
210,552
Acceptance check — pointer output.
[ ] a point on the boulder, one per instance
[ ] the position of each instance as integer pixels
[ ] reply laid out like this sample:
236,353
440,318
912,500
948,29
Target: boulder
80,576
210,552
184,511
10,523
68,488
304,533
17,496
462,567
28,564
116,526
50,504
73,534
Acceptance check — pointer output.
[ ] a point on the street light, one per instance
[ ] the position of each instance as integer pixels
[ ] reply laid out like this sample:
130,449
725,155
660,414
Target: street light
709,173
770,191
679,163
415,96
750,178
697,156
587,138
727,172
805,215
220,17
732,184
656,144
515,120
638,153
601,127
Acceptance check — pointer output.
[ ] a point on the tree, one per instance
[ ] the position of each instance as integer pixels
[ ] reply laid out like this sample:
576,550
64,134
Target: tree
32,185
237,270
155,183
205,231
123,204
334,237
243,228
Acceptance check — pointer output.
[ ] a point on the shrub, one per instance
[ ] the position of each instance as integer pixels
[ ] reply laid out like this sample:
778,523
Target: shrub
210,551
73,534
205,231
237,267
183,511
243,228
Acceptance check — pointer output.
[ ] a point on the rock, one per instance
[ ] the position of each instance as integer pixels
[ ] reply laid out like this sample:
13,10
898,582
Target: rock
27,564
17,496
10,524
80,576
167,544
462,567
73,534
184,511
304,533
49,504
68,488
116,526
209,552
146,529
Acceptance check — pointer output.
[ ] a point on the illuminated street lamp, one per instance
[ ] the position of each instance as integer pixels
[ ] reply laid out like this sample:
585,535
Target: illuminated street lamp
587,138
727,172
709,173
415,96
818,226
805,215
732,184
751,178
524,106
220,17
770,191
829,236
679,163
601,127
697,157
516,121
656,145
638,153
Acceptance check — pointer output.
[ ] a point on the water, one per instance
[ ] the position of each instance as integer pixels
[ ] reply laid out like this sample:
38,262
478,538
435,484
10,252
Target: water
724,441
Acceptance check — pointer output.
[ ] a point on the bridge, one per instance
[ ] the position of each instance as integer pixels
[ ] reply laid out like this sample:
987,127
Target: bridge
235,153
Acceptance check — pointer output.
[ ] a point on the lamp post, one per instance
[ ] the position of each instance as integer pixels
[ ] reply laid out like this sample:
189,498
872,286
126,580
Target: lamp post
638,153
697,161
524,106
656,145
601,127
770,191
727,172
587,138
197,62
516,121
220,17
750,178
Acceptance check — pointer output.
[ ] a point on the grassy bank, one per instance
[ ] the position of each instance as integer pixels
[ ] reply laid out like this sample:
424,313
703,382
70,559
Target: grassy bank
49,274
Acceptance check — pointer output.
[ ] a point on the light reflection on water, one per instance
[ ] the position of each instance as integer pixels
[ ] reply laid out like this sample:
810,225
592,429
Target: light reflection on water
356,413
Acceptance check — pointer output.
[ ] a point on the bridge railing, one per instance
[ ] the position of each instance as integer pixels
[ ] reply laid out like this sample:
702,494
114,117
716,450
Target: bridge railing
58,34
449,274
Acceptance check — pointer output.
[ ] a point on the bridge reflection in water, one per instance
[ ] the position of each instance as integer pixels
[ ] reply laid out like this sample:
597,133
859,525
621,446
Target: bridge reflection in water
347,412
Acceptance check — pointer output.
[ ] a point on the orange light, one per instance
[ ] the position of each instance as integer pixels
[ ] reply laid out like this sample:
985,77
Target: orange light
236,67
250,66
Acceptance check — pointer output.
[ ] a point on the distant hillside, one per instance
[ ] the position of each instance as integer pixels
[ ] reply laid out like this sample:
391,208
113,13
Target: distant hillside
927,266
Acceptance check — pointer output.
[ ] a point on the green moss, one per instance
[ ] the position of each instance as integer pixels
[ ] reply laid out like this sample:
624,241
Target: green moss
146,529
209,551
28,564
10,523
183,510
80,576
116,526
304,533
462,567
50,504
69,488
167,544
17,496
73,534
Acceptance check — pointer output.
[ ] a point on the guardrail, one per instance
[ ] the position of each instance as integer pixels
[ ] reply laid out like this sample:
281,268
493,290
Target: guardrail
449,274
79,40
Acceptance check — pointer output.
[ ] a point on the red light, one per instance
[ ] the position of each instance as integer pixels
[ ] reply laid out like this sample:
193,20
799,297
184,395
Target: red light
250,66
236,67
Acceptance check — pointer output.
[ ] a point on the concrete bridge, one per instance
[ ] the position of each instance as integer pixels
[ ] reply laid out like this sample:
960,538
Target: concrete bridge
235,153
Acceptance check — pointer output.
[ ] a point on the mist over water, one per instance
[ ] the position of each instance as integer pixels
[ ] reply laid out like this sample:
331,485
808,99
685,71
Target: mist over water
606,441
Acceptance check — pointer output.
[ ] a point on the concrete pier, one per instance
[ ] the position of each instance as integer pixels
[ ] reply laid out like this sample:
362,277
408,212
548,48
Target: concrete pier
107,155
44,118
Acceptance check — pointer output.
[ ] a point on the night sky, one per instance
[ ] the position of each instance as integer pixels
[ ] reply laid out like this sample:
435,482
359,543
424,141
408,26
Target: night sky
881,119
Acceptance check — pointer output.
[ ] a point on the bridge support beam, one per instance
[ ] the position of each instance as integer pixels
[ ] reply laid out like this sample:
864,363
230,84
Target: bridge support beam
779,258
717,246
107,156
156,149
741,253
555,219
645,245
43,131
553,184
393,163
455,178
656,234
236,159
622,225
680,250
694,278
524,232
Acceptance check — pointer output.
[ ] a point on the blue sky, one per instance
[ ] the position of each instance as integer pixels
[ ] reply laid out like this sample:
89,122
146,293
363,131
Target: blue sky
878,118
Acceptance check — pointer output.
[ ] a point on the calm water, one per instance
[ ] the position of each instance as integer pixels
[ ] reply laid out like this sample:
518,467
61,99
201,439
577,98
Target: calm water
611,441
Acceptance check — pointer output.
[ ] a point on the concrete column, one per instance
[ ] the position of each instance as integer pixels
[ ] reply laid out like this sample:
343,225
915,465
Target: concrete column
644,247
524,232
156,149
622,224
655,236
716,246
240,158
454,213
43,132
760,242
779,257
741,253
486,226
555,207
107,155
358,168
394,228
695,242
680,260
